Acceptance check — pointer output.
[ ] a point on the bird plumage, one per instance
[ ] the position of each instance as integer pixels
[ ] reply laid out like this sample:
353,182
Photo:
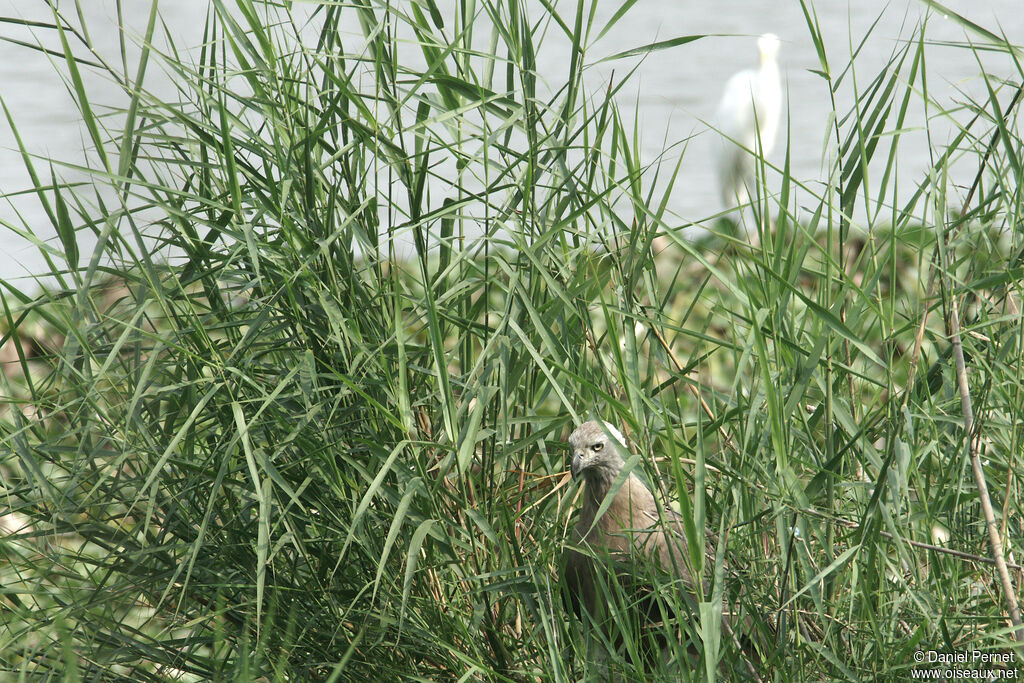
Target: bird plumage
748,120
632,548
632,531
597,459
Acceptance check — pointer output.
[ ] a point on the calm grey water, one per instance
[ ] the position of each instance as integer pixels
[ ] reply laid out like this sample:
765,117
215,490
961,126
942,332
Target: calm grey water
674,91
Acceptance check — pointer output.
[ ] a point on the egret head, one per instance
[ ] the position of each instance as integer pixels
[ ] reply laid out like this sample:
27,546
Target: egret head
594,448
768,45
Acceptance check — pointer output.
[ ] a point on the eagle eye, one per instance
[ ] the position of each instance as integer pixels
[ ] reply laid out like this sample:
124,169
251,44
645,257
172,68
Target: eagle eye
597,446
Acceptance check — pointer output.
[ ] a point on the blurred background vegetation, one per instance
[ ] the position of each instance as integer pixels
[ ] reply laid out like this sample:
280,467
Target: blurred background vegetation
301,413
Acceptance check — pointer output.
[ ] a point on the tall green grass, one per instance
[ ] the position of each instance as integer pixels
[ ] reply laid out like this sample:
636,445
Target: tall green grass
300,414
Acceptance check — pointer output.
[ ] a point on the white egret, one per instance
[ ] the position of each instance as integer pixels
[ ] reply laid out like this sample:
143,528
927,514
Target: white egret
747,119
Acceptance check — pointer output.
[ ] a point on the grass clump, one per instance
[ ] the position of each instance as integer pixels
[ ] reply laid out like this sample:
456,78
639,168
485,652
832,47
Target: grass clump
300,413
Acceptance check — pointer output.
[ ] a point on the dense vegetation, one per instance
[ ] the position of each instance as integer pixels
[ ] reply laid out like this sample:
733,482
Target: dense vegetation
301,413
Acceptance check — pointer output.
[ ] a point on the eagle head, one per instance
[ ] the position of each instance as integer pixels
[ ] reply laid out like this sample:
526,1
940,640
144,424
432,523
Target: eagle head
594,448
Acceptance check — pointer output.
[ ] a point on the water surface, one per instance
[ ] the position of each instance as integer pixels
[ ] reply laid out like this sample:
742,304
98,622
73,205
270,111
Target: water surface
674,92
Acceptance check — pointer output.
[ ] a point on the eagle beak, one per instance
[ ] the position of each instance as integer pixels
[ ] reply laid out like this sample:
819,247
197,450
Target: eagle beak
576,466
